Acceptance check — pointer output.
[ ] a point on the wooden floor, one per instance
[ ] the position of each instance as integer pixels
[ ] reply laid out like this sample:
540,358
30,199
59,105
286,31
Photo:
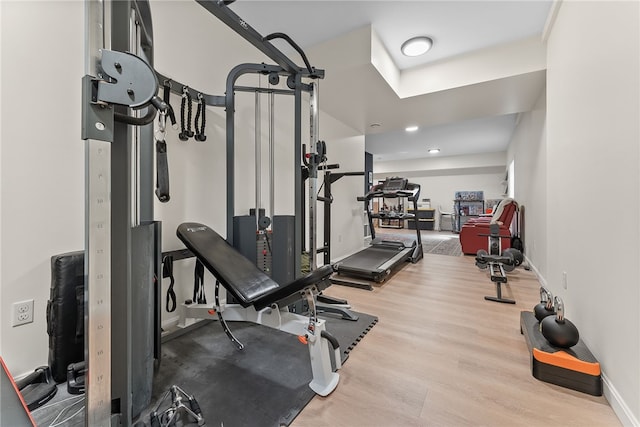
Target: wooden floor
441,355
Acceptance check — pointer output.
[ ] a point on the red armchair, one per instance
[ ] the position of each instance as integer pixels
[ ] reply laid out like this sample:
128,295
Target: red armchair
474,233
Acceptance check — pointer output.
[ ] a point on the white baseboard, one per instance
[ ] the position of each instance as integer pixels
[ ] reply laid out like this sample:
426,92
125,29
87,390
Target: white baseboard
535,270
170,323
620,408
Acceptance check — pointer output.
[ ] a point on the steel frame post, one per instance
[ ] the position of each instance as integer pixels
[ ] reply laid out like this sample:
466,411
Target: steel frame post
97,132
297,156
117,203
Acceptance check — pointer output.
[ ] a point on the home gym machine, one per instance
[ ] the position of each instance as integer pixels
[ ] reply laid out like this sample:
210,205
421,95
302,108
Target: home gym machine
273,242
499,262
122,239
376,262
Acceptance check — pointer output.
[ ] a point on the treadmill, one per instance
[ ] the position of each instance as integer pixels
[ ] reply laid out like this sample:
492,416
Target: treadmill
376,262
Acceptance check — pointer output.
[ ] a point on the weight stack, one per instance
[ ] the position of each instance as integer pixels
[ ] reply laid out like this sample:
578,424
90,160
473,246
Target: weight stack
575,368
263,251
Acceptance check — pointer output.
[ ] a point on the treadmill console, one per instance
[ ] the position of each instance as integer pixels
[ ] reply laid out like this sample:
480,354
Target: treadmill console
392,188
393,185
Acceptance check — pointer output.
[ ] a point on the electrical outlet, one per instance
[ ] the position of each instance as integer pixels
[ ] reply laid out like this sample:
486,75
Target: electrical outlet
22,312
564,279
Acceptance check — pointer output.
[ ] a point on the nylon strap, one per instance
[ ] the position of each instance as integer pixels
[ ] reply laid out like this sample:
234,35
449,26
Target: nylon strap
167,98
162,172
167,272
198,285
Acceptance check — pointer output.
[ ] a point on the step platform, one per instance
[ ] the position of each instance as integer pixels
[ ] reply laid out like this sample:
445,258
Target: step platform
575,368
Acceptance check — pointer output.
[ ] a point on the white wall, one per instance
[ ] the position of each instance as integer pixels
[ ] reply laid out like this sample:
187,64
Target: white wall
593,185
347,231
529,152
42,165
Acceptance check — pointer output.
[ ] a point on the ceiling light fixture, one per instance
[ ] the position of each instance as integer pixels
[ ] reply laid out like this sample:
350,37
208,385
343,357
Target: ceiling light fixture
416,46
411,128
434,150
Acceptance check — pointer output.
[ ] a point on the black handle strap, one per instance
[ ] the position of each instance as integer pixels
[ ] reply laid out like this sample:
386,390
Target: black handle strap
198,285
185,125
200,113
162,172
166,99
167,272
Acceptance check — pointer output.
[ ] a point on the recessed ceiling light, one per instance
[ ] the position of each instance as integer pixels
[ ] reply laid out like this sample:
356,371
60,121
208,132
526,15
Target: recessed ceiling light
411,128
416,46
434,150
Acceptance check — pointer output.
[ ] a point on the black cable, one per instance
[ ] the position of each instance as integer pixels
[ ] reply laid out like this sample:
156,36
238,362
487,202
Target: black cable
136,121
319,189
266,237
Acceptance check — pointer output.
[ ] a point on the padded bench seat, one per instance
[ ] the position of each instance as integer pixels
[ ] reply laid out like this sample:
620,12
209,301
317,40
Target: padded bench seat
239,276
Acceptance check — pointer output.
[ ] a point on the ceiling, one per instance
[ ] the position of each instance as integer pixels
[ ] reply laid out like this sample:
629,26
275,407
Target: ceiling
486,66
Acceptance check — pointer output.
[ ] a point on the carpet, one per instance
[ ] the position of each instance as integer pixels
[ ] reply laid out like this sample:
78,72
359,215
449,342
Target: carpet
432,243
443,246
266,384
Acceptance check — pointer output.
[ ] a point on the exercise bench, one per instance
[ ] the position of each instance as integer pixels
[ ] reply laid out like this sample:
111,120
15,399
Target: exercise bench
261,300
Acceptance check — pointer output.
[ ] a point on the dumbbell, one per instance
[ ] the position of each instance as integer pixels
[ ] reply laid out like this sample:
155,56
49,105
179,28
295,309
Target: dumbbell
545,308
480,262
560,332
511,265
515,254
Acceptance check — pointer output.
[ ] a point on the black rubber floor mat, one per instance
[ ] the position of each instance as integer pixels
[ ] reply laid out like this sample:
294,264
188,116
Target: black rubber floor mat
265,384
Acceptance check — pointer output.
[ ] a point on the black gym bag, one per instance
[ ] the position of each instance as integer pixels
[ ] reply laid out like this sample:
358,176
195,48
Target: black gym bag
65,313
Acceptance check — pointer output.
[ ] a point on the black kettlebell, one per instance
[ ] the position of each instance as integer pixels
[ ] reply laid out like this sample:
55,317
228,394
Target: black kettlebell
560,332
545,308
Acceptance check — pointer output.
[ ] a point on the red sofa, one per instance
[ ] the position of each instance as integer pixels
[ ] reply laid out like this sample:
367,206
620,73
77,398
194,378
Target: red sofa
474,233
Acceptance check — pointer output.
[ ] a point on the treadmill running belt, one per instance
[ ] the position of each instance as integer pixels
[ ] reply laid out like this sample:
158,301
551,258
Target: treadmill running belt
369,258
